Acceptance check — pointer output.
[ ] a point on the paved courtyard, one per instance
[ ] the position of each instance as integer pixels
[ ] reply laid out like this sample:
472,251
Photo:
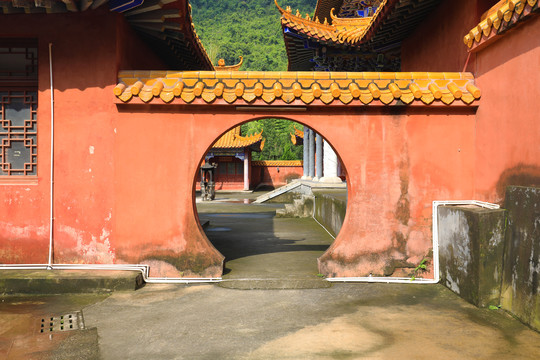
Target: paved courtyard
294,318
346,321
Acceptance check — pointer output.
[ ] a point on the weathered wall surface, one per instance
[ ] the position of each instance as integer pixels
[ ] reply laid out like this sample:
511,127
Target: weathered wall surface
125,173
471,247
397,164
521,281
507,131
86,58
83,79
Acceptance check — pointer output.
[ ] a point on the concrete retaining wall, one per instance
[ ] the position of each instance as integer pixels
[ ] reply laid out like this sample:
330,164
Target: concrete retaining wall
471,247
330,209
492,257
520,286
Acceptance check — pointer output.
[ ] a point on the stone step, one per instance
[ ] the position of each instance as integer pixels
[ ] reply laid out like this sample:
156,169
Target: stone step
277,192
281,213
290,209
48,282
275,284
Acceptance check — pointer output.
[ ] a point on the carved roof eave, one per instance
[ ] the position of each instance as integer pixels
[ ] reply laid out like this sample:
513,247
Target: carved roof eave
171,16
198,41
499,19
233,140
344,31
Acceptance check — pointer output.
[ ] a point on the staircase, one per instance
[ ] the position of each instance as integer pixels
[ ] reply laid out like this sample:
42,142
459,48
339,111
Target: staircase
279,191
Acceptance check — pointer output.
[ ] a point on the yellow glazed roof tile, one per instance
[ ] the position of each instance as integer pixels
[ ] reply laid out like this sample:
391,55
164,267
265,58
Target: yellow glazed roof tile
348,31
234,140
499,18
284,163
298,88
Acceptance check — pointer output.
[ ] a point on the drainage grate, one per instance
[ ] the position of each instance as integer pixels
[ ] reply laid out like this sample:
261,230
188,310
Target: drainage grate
56,323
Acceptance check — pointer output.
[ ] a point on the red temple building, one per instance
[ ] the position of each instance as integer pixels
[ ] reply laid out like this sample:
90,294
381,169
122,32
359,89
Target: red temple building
232,154
108,111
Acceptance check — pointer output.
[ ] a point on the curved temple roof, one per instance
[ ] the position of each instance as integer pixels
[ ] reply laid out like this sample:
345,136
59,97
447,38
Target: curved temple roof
166,25
348,43
350,31
296,88
233,140
500,18
298,137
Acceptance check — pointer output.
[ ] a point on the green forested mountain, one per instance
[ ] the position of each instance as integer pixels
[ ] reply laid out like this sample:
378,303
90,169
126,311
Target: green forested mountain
252,29
249,28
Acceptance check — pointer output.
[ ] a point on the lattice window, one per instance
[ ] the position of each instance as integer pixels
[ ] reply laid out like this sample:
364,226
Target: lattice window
18,133
18,63
18,107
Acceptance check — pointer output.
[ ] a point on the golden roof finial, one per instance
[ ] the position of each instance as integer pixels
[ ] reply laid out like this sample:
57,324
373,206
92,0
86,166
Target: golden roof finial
325,21
222,67
298,13
317,19
289,9
332,13
307,17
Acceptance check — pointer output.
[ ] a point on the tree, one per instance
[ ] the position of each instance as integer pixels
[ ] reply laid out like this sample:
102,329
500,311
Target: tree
252,29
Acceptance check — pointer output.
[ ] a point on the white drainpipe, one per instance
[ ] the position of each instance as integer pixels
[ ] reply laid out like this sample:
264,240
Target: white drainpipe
144,269
436,267
51,221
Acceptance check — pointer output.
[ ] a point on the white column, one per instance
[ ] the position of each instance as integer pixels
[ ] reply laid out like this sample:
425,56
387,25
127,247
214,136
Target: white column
330,165
311,174
246,169
306,153
319,156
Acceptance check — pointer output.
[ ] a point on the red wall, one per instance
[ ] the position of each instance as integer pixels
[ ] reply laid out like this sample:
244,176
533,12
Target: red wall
124,185
437,43
274,176
506,131
85,61
397,165
507,123
125,174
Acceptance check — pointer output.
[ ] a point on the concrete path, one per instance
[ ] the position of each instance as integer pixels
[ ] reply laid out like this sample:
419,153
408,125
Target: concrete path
257,245
346,321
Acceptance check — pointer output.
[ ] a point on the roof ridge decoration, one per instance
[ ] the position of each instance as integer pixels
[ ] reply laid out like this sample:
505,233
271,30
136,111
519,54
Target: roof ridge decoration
287,13
222,67
296,88
499,19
